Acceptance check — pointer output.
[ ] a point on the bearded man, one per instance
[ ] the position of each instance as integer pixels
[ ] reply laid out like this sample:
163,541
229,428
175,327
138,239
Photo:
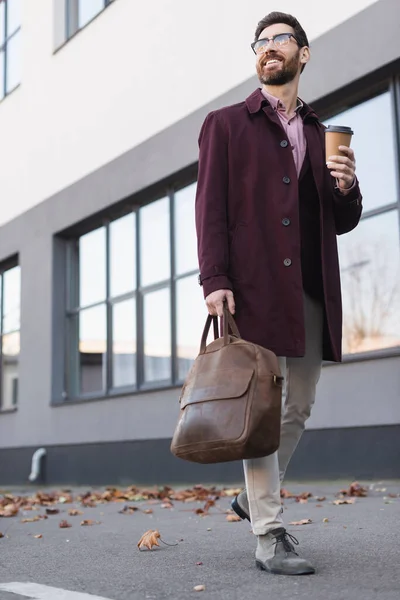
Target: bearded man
268,210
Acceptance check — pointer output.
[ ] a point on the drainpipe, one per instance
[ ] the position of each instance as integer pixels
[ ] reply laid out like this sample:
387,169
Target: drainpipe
36,465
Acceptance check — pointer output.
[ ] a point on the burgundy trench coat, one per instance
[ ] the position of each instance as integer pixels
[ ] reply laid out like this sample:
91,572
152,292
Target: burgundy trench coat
247,184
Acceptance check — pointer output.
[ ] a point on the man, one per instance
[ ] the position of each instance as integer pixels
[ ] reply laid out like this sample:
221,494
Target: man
268,210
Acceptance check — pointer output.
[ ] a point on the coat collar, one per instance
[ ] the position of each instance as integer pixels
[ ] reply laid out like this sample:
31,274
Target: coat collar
256,101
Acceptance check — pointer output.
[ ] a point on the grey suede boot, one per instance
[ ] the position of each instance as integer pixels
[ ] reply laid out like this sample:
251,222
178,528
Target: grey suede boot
240,504
276,554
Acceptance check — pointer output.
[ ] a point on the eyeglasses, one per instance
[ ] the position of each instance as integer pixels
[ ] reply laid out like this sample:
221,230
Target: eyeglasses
279,40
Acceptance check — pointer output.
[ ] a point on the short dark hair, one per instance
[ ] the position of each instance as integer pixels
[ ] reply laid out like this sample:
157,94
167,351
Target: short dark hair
279,17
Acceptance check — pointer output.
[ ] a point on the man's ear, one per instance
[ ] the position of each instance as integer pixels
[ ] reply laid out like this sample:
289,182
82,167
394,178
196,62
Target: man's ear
305,55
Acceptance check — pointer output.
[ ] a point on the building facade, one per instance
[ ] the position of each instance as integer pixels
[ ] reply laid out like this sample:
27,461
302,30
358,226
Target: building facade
101,103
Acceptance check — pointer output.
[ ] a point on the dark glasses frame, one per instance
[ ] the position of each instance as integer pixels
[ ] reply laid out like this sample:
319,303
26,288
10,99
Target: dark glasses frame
272,39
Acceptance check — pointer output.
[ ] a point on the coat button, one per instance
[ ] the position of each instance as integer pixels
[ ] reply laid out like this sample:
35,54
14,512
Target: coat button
286,179
284,143
285,222
287,262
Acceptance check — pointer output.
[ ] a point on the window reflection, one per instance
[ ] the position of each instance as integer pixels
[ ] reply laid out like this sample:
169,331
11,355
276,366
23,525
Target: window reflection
370,268
2,59
185,230
11,299
122,255
154,242
10,368
157,336
13,62
2,23
92,349
124,343
88,9
191,314
13,16
92,267
373,127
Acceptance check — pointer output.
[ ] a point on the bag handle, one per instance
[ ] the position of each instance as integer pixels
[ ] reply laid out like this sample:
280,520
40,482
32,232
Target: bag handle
229,321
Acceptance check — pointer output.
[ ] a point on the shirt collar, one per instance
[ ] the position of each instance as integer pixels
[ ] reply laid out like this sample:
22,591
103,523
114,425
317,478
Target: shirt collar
277,104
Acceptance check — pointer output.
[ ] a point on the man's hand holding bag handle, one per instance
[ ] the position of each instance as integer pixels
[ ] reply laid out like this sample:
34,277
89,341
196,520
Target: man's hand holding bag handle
230,404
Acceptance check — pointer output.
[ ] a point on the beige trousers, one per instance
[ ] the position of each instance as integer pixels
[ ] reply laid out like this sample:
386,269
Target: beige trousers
263,476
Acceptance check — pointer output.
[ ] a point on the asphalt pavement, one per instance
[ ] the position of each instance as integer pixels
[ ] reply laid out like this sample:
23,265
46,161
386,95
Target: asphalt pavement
354,547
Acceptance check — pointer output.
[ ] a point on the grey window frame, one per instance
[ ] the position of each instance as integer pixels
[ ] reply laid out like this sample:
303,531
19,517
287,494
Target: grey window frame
72,285
6,265
4,48
72,17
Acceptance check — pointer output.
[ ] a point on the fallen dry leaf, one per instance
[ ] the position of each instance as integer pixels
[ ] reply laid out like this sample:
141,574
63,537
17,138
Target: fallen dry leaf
74,512
149,539
232,492
344,501
1,535
10,510
302,522
355,489
318,506
286,494
64,524
303,496
148,511
325,520
167,505
128,510
199,563
88,522
303,500
199,588
233,518
38,536
321,498
32,520
52,511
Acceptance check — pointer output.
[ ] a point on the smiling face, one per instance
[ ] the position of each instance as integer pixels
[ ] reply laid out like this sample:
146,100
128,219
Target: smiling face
279,65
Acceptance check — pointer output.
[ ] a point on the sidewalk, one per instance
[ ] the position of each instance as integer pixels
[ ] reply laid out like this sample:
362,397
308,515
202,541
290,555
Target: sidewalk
356,551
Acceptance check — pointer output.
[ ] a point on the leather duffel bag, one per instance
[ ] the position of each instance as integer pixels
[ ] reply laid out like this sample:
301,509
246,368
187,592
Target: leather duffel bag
230,404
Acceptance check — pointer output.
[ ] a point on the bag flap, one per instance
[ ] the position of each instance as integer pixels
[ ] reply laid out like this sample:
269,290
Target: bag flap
216,385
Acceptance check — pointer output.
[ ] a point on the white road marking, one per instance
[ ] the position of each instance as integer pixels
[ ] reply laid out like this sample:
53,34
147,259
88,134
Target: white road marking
37,591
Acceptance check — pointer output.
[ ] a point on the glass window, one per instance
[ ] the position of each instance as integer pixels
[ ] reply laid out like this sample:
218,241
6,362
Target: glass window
370,269
2,22
11,299
13,62
185,231
157,336
154,242
10,287
120,332
10,369
92,267
191,315
13,16
2,58
373,126
88,9
124,343
92,349
123,255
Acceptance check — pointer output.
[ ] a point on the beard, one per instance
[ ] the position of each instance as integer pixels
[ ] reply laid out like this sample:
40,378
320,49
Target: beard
285,74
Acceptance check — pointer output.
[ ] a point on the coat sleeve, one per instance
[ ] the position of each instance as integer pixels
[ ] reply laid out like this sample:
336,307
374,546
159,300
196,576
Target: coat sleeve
347,208
211,206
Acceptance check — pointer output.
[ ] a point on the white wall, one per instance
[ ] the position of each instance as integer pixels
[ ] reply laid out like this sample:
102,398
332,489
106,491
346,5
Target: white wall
138,68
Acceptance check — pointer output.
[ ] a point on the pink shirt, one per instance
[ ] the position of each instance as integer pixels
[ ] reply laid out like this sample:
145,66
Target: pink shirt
293,127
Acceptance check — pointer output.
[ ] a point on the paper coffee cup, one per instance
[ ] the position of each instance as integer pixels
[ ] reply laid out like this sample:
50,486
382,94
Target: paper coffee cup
336,136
